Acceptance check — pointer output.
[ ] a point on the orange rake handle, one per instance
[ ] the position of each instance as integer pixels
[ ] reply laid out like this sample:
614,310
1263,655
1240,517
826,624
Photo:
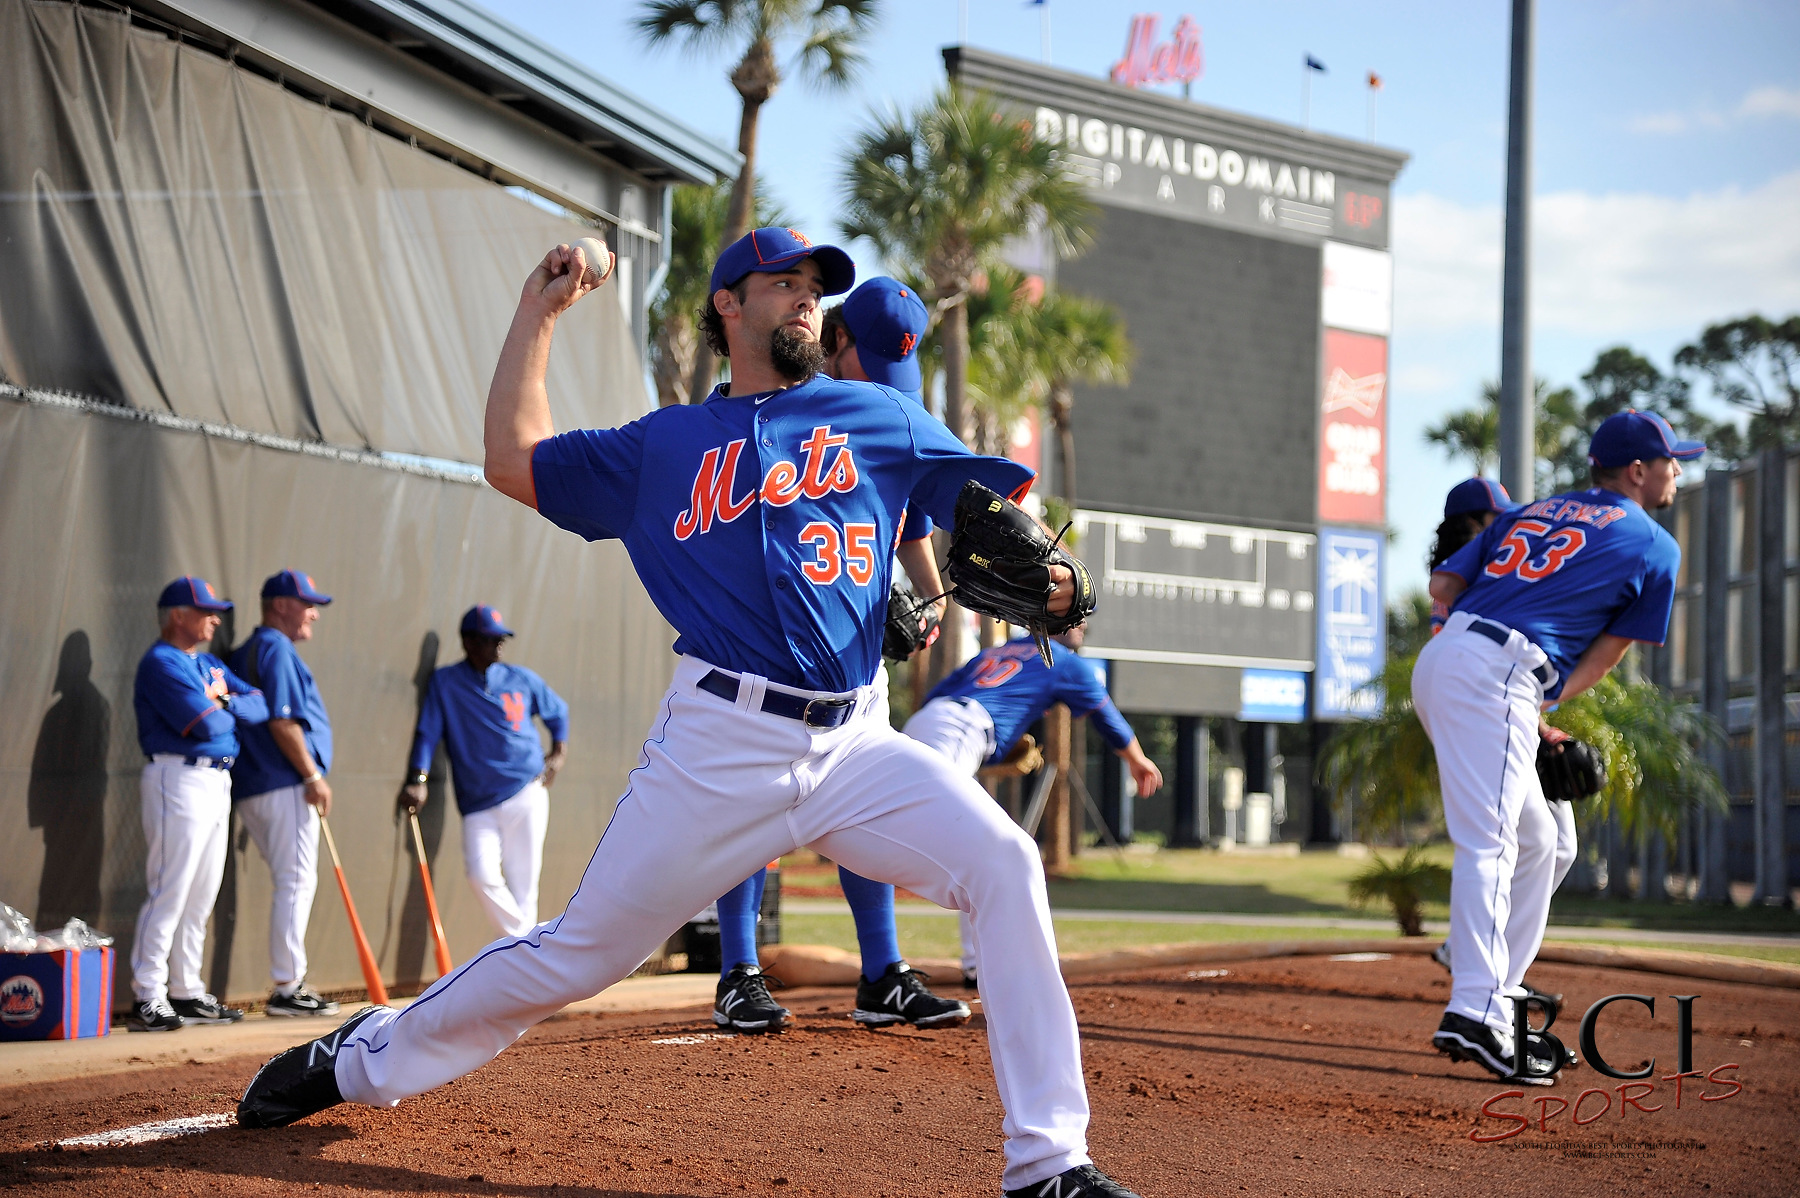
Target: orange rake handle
431,908
371,973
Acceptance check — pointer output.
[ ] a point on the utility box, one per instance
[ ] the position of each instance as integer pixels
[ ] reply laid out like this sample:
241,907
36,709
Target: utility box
61,995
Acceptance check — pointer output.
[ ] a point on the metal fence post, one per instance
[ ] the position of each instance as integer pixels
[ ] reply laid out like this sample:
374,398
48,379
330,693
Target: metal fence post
1715,686
1771,663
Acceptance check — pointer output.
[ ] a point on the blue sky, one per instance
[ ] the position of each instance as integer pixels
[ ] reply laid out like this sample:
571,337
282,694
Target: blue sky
1667,190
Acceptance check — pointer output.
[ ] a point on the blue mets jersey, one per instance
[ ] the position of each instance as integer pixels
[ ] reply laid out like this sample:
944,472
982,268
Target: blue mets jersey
763,526
494,747
1014,685
1567,569
176,715
268,659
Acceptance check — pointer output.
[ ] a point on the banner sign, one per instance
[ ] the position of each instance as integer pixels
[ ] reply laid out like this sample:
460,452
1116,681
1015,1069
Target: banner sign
1352,429
1352,624
1272,696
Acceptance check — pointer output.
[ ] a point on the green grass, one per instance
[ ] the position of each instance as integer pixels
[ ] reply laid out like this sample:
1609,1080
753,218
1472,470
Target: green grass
1787,956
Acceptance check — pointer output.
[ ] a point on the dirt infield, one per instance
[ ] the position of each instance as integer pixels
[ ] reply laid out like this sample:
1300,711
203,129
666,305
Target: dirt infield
1304,1076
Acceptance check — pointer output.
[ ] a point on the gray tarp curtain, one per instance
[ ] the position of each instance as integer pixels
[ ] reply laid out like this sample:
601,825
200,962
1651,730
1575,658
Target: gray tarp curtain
179,236
183,235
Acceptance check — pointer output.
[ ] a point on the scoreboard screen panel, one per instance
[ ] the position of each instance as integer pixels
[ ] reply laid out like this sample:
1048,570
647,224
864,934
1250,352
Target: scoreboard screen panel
1197,593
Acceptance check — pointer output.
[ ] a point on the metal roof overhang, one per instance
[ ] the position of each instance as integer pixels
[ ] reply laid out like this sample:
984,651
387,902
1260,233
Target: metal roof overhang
466,85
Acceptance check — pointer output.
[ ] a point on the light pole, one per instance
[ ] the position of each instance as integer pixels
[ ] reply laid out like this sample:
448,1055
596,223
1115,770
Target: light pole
1518,416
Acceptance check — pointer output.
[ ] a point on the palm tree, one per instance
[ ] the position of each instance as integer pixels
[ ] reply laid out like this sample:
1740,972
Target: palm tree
696,235
828,33
940,190
1407,884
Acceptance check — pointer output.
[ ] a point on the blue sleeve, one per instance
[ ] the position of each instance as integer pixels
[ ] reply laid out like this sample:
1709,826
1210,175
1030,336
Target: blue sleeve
180,698
587,480
1079,684
1646,617
944,464
430,729
247,703
550,708
280,678
916,525
1468,561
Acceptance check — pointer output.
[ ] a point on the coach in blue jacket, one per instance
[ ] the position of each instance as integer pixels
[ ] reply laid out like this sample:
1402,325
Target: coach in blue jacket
482,708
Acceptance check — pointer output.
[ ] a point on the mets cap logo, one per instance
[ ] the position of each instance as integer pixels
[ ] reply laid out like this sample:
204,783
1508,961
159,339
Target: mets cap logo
802,238
907,340
207,587
21,1000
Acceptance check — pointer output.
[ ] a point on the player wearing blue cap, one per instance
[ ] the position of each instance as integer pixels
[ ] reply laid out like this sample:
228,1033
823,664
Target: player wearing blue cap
976,715
761,524
278,782
482,708
872,337
1542,605
188,706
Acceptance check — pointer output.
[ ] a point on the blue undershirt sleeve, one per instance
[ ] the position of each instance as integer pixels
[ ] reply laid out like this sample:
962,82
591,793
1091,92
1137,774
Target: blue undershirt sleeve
429,731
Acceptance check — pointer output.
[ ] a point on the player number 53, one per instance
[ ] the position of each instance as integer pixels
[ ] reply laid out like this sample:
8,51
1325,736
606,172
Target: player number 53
850,551
1516,554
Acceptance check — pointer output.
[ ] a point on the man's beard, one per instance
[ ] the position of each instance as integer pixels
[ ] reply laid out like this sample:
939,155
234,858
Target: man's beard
797,358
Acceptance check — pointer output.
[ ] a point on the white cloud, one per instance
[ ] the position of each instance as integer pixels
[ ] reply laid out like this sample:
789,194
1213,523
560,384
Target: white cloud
1771,101
1604,265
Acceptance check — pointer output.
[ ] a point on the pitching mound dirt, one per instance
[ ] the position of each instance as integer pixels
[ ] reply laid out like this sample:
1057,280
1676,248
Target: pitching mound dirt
1304,1077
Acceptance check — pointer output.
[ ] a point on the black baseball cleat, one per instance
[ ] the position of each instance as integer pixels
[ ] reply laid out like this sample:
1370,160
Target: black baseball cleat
156,1016
300,1081
1462,1039
900,996
302,1003
1083,1181
743,1003
205,1009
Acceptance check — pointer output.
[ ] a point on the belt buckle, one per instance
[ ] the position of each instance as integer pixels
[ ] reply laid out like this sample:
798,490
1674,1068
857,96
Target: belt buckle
806,713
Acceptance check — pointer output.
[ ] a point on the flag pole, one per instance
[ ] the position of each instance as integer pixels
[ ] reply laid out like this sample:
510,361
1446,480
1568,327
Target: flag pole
1044,6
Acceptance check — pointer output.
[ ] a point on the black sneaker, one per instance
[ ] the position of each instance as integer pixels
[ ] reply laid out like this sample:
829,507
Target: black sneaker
1083,1181
300,1003
205,1009
1441,954
743,1002
156,1016
300,1081
900,996
1462,1039
969,982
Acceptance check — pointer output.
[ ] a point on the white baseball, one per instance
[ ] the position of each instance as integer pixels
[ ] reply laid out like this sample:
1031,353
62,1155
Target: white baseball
599,260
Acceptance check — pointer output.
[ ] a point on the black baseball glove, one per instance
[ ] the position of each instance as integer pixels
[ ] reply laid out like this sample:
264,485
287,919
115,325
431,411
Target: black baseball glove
912,623
1000,561
1570,769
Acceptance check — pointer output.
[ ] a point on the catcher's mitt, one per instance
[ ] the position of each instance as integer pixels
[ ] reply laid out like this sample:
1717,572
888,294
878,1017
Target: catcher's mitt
1000,561
912,623
1570,769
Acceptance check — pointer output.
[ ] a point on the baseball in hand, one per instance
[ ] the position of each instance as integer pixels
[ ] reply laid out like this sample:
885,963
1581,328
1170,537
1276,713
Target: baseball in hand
598,259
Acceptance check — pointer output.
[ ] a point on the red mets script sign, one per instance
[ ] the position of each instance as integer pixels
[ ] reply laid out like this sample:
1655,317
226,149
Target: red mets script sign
1177,60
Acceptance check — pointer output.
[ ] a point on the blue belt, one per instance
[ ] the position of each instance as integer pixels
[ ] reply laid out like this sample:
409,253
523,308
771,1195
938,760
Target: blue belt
1499,633
814,713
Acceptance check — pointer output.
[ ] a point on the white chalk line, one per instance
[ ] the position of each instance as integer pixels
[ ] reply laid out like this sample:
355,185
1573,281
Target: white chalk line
149,1133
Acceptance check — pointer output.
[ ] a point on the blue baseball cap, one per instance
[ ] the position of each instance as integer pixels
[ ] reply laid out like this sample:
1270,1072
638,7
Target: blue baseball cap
777,249
189,591
1477,495
887,318
483,620
294,585
1634,436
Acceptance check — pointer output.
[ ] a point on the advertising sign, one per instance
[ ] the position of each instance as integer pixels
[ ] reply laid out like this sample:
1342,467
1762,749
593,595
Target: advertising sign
1352,429
1352,624
1272,696
1358,291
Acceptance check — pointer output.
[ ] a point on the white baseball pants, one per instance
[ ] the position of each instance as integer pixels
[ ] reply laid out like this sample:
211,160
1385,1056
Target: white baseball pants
186,809
503,855
285,828
720,789
1479,703
963,731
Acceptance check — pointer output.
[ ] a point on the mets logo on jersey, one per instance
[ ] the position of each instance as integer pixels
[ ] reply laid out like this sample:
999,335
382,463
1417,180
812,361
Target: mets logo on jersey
715,482
513,704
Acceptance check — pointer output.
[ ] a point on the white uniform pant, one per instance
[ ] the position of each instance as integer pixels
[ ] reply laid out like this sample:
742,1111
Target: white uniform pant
1479,703
285,828
186,809
719,790
503,854
963,731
